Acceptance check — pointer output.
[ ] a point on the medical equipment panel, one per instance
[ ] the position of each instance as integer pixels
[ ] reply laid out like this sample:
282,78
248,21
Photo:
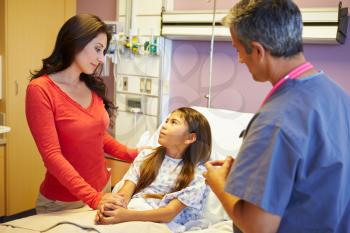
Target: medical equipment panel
137,86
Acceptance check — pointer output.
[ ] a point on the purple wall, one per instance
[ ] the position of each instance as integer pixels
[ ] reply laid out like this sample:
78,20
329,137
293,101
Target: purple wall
232,86
105,9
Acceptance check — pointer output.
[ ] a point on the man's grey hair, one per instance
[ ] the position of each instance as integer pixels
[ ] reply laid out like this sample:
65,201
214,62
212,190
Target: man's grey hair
276,24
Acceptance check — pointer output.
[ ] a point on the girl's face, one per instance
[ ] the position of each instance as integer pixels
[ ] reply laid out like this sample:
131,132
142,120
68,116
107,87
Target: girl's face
88,59
174,134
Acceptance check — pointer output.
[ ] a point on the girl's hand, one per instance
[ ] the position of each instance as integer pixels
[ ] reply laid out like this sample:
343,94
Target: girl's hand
111,213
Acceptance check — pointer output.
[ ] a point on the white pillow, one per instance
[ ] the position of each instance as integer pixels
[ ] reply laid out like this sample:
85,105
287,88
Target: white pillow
226,127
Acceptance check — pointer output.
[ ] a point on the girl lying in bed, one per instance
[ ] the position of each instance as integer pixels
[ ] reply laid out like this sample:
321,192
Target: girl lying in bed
166,185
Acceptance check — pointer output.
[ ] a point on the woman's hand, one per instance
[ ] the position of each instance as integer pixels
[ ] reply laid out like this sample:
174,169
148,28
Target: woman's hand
110,213
113,198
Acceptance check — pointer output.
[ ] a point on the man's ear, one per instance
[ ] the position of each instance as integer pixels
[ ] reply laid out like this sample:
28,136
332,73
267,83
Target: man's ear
258,50
192,137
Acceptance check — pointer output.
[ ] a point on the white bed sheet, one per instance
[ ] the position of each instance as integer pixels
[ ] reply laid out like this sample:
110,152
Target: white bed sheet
82,221
225,125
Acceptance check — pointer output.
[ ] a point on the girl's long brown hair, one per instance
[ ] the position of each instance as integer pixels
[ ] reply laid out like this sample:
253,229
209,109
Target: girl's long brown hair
197,152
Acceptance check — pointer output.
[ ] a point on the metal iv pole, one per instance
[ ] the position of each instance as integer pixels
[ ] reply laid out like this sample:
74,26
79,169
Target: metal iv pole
208,96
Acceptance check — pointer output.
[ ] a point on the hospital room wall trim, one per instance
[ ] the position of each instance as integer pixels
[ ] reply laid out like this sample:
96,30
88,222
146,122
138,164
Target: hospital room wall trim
226,4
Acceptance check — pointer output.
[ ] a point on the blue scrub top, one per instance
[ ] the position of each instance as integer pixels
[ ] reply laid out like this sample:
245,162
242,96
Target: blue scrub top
295,158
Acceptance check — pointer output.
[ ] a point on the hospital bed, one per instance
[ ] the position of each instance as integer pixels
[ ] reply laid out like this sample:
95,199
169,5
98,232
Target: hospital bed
226,127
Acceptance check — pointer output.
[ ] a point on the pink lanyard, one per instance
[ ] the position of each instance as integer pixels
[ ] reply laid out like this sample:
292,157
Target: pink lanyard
291,75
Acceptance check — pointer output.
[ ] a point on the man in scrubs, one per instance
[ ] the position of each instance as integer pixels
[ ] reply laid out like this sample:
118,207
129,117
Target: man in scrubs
292,173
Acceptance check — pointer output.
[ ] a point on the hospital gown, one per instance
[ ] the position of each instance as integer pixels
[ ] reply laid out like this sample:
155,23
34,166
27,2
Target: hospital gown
295,158
193,196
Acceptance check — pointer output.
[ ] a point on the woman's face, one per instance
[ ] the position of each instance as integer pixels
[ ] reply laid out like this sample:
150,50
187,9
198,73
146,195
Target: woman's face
88,59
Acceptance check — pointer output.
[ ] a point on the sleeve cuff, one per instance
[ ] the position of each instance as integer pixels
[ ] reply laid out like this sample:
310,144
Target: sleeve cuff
95,201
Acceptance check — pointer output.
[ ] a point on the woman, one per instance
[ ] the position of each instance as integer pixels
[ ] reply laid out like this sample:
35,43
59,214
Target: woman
68,115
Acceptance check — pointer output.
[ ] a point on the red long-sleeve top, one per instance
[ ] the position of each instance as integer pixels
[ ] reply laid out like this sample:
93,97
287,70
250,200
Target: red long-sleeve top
72,141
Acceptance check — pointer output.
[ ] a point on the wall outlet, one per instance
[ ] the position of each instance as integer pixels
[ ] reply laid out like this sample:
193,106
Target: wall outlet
142,85
148,86
125,83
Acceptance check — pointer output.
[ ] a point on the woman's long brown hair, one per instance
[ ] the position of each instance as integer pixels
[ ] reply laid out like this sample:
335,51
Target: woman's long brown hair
73,36
197,152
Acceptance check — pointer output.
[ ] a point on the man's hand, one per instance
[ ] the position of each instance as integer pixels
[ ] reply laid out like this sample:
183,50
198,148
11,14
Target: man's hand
217,172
